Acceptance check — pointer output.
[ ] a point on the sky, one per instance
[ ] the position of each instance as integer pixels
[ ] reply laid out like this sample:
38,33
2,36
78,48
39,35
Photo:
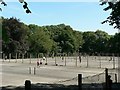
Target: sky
81,16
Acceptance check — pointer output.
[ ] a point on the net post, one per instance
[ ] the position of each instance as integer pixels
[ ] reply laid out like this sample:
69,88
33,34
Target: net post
79,81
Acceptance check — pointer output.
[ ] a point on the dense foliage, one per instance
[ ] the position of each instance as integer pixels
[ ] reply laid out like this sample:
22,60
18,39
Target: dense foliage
114,17
18,37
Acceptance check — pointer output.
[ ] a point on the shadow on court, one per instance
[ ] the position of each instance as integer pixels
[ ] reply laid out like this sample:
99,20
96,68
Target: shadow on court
45,86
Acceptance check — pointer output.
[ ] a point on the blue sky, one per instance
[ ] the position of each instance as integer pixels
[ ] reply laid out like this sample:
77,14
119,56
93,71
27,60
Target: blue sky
81,16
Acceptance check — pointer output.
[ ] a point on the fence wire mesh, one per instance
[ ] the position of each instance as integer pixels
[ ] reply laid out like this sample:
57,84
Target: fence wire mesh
98,78
87,61
94,61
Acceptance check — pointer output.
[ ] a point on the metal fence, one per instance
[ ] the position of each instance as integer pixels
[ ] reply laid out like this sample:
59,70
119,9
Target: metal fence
75,60
98,78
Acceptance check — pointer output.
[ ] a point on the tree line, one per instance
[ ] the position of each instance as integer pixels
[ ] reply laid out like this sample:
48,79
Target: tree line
17,37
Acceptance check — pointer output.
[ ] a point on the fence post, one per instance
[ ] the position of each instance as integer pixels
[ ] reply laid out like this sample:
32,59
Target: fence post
27,85
9,57
76,60
29,70
65,59
106,79
87,61
38,57
115,78
22,57
113,61
79,81
16,57
30,58
100,60
3,57
26,55
46,60
118,57
80,58
34,70
55,61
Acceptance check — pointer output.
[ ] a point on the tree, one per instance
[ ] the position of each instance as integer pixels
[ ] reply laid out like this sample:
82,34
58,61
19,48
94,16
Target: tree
25,6
64,38
114,43
102,39
114,17
20,38
39,41
79,40
95,42
89,42
14,36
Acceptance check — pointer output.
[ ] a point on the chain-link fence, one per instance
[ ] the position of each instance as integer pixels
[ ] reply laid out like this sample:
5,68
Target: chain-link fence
77,60
98,78
64,60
